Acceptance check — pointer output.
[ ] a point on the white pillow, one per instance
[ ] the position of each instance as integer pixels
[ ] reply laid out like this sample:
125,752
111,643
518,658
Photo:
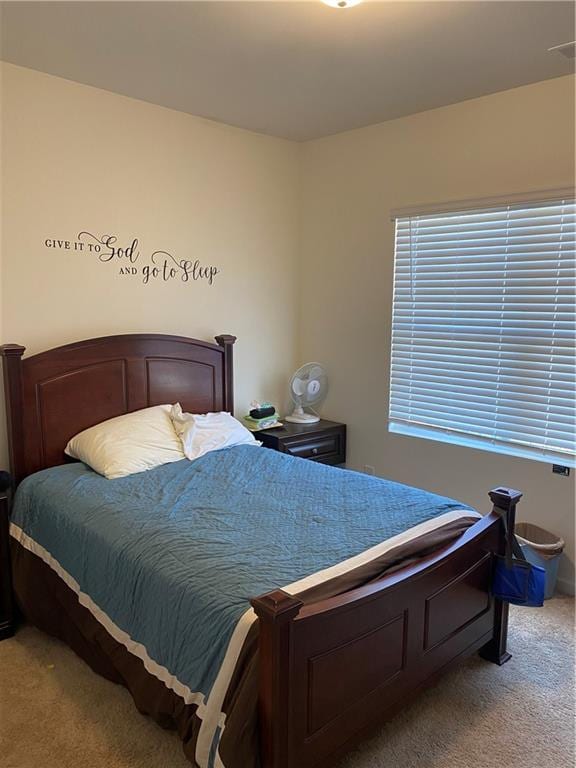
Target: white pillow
127,444
201,433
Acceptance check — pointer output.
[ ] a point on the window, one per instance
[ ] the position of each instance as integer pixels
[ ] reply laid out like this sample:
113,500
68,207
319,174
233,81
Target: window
483,328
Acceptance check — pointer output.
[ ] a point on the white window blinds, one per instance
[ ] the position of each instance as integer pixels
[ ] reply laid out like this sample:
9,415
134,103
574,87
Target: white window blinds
483,329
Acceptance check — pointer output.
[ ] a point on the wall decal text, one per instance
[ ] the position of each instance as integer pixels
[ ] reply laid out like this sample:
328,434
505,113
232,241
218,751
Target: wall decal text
159,266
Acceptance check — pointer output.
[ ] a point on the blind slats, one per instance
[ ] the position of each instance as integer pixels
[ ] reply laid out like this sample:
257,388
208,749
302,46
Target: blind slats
483,328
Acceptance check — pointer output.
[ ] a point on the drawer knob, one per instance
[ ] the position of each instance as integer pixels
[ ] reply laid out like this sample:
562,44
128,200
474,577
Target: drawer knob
314,451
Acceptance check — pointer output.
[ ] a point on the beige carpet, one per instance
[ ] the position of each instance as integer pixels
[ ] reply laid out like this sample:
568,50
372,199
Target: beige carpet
55,713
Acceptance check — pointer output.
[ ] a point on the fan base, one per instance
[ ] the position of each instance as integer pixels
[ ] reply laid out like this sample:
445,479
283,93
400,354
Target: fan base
302,418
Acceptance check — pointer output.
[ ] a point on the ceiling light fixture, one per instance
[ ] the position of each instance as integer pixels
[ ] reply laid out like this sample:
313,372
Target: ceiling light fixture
341,3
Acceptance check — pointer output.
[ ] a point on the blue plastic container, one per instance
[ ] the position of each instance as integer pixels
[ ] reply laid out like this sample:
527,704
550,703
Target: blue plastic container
540,547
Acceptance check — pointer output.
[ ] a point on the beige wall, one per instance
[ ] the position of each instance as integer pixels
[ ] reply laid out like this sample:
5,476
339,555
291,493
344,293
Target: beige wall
80,158
512,141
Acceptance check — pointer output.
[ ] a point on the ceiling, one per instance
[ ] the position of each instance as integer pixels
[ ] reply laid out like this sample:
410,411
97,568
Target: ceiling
298,70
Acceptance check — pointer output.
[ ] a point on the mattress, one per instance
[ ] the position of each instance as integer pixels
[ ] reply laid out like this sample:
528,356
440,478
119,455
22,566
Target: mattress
162,566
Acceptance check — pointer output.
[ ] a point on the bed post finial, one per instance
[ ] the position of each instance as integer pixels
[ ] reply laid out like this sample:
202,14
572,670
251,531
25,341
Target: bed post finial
226,341
276,611
225,338
505,501
504,498
12,368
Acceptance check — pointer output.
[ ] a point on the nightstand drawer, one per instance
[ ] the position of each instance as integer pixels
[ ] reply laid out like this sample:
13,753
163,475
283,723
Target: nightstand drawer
323,441
318,447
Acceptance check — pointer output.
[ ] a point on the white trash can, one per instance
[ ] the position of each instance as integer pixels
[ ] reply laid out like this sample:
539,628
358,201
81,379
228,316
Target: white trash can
540,547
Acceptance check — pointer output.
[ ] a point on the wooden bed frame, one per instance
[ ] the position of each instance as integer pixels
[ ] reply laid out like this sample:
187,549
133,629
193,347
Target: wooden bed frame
331,671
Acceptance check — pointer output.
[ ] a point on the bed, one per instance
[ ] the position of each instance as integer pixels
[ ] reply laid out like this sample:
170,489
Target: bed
319,598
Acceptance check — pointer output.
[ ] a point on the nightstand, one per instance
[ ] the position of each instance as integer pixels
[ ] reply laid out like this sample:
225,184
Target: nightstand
324,441
6,607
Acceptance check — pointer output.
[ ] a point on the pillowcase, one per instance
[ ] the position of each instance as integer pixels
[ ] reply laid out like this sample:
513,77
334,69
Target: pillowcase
128,444
202,433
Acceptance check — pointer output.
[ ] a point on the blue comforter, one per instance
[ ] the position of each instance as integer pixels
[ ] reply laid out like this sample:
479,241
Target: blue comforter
173,555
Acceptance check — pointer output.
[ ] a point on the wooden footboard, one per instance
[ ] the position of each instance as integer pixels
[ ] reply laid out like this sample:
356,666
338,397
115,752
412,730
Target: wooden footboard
331,671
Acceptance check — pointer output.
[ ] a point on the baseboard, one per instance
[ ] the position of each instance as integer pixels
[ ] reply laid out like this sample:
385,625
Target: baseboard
565,586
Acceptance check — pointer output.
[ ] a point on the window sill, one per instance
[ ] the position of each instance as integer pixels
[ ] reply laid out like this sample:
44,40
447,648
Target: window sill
453,438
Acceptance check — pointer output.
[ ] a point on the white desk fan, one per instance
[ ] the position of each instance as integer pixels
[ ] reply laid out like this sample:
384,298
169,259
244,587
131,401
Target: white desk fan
308,387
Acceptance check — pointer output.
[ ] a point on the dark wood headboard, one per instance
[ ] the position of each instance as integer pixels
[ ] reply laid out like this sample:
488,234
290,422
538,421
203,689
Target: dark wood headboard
52,396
